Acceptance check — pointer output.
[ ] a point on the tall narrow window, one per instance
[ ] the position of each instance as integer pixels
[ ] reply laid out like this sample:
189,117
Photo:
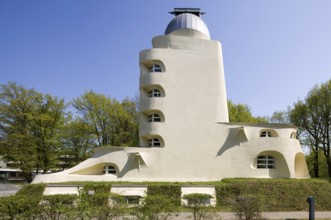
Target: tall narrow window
155,68
266,162
154,142
154,118
154,93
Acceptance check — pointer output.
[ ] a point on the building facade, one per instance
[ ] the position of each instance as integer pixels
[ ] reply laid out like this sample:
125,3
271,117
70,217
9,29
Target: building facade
184,131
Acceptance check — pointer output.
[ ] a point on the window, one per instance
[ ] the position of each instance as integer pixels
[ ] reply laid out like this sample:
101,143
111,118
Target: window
108,169
293,135
266,162
154,118
154,142
265,134
154,93
132,200
205,202
155,68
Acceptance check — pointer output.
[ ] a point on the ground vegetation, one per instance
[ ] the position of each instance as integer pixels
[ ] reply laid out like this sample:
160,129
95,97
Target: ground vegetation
247,197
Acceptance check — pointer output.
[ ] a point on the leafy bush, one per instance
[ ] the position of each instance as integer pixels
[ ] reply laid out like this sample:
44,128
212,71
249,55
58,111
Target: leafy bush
57,207
198,204
277,194
18,207
247,207
156,208
32,190
172,192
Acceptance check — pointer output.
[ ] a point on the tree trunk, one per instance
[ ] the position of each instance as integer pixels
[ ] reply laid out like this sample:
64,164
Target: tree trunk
328,160
316,169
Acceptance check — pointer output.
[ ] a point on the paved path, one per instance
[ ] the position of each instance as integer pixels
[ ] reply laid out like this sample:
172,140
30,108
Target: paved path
268,215
8,189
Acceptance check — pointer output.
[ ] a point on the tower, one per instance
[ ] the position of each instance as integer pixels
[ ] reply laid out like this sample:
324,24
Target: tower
185,134
182,85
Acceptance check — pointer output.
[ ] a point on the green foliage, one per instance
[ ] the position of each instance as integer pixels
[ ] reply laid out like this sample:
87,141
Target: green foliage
18,207
57,207
247,207
196,199
322,164
313,117
277,194
197,203
100,193
281,117
60,198
156,208
242,113
17,105
32,190
113,123
29,125
245,196
24,204
98,187
36,131
173,192
77,141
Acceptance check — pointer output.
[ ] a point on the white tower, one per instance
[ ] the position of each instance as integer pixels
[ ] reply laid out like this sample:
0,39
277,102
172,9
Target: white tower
185,134
182,86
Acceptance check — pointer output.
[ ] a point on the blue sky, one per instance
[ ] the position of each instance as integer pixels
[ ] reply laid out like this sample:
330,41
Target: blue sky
274,50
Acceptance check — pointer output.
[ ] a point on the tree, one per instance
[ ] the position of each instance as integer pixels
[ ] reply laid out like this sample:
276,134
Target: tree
29,124
322,164
77,141
130,123
17,105
281,117
313,116
113,123
47,121
242,113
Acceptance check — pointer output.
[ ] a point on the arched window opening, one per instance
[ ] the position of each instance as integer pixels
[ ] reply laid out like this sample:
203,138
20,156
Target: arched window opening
154,118
154,93
154,142
266,162
265,134
109,169
155,68
268,133
293,135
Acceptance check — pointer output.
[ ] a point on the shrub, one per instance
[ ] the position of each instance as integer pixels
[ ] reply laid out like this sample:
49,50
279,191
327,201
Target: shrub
171,192
247,207
277,194
18,207
156,208
32,190
57,207
197,203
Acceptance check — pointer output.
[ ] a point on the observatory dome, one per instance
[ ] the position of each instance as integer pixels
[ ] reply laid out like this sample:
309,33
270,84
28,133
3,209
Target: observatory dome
187,21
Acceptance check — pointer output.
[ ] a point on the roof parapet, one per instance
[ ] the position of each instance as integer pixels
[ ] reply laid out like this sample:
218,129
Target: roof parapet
195,11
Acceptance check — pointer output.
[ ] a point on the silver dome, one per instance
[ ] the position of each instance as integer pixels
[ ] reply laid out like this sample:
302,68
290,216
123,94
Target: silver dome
187,21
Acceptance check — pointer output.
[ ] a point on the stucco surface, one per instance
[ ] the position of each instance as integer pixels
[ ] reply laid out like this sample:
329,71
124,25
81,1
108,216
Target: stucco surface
197,141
